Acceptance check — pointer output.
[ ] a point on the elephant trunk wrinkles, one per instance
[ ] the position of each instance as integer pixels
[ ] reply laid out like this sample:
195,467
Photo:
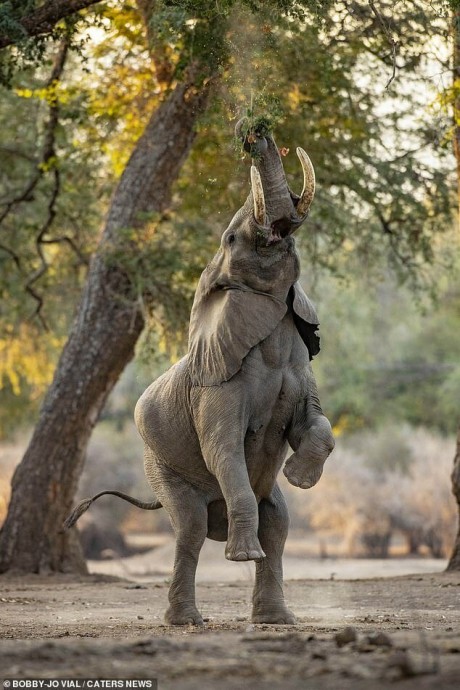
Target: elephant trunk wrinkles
277,195
267,160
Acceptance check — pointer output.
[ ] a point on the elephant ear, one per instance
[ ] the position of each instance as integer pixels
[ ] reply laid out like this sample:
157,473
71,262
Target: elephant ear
305,318
224,325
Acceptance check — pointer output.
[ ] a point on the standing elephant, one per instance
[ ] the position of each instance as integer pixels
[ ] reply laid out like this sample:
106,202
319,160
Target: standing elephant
217,425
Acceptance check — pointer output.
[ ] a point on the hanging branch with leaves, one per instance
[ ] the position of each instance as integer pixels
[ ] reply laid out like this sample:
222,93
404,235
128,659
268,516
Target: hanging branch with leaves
393,43
47,163
17,24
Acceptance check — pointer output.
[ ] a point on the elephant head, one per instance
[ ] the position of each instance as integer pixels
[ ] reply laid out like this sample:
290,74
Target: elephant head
250,284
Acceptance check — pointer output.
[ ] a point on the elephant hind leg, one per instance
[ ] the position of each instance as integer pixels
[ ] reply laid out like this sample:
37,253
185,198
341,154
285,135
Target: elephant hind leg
268,604
217,521
190,526
187,508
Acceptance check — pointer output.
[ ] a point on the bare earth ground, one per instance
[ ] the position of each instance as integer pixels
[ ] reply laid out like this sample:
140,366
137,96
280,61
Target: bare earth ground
104,627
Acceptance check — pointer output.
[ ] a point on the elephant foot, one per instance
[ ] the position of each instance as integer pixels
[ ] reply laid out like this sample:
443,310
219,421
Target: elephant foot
300,473
305,467
183,614
244,548
275,614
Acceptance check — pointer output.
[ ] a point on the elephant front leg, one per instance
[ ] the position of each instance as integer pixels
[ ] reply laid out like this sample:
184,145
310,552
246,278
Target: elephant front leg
243,517
305,467
221,428
311,439
268,596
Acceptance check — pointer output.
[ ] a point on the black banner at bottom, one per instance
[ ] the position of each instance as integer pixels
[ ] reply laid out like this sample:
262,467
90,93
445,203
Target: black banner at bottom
79,684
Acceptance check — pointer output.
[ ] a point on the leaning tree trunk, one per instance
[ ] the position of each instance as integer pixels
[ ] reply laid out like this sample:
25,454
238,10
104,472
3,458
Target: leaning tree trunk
100,344
454,563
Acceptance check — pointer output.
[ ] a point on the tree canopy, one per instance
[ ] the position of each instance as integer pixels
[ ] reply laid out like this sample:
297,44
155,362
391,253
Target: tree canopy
71,116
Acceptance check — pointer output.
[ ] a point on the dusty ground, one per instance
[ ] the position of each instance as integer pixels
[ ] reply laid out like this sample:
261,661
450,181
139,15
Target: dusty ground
101,627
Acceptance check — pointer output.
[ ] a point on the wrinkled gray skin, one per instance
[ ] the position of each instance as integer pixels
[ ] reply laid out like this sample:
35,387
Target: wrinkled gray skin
217,425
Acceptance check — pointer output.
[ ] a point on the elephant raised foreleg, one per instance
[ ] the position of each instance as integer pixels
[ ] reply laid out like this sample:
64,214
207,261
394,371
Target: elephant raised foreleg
268,598
223,453
242,543
311,439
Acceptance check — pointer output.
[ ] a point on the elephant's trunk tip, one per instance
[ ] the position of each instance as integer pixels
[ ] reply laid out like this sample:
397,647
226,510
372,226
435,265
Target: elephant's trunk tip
259,127
253,135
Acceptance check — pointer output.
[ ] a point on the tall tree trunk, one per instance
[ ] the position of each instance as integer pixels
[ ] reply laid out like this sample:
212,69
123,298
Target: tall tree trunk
100,344
454,562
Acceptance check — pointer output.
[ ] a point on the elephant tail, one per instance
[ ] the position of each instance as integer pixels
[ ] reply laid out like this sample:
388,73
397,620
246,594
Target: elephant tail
83,506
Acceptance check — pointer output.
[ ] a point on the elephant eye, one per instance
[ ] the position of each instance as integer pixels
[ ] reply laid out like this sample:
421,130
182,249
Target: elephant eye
231,238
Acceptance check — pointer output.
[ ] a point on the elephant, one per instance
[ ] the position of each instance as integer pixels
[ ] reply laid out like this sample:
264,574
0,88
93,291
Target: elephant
217,425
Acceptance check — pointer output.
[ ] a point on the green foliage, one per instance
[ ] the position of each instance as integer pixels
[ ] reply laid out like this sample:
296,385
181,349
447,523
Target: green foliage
385,186
24,120
31,52
203,8
11,13
387,357
195,31
261,117
163,261
384,449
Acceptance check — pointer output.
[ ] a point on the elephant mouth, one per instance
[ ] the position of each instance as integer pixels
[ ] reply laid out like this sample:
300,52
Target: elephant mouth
282,228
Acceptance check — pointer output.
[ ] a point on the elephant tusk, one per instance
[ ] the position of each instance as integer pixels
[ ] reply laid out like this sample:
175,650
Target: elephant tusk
308,191
258,196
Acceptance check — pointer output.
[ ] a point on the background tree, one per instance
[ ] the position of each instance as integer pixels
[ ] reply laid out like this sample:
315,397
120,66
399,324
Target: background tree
106,328
24,18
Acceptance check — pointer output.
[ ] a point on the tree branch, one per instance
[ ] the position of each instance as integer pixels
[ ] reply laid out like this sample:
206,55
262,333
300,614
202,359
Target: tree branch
67,240
12,254
44,18
50,132
12,151
39,242
45,163
393,44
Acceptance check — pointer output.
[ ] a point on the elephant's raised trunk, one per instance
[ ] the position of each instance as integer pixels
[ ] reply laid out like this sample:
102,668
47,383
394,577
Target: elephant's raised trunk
278,198
284,210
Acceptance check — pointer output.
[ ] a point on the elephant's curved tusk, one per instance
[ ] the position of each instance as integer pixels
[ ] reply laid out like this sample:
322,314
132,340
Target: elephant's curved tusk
308,191
258,196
